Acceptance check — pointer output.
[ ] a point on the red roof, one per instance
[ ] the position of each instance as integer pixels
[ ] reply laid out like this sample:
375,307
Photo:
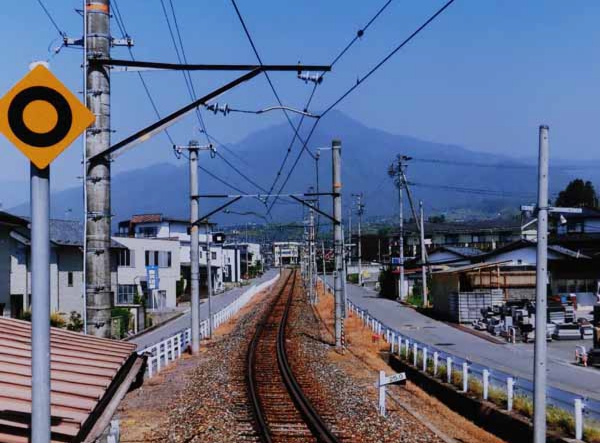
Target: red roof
84,371
146,218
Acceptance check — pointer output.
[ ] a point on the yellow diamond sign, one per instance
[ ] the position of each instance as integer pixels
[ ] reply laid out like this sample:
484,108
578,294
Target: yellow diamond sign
41,117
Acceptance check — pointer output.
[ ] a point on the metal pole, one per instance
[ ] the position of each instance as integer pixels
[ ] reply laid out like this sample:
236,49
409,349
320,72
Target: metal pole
194,247
336,147
345,257
209,279
349,259
311,243
539,366
360,214
401,239
40,304
84,172
324,269
98,214
423,257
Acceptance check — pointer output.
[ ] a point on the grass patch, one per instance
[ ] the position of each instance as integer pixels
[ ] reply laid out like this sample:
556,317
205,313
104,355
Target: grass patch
591,433
560,419
523,405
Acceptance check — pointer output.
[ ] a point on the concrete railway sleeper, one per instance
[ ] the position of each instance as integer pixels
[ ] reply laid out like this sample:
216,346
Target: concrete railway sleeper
281,410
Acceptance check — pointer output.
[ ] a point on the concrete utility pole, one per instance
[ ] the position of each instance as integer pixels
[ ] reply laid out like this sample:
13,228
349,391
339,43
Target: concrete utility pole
193,148
324,269
40,304
209,278
539,366
360,209
423,256
311,251
97,180
336,148
194,246
396,171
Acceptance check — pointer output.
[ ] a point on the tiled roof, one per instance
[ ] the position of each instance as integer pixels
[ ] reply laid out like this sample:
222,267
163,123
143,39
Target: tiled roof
64,233
146,218
463,251
85,372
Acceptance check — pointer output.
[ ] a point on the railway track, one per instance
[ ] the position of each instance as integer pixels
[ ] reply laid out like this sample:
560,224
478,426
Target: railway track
281,410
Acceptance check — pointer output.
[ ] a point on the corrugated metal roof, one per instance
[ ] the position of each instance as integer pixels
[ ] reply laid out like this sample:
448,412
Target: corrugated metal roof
472,267
84,371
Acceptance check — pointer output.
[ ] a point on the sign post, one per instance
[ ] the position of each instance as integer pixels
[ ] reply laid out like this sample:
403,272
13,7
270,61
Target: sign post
383,381
41,117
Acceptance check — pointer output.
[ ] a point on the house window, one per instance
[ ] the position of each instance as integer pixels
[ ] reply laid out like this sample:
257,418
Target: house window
147,231
125,294
70,279
162,259
125,258
213,255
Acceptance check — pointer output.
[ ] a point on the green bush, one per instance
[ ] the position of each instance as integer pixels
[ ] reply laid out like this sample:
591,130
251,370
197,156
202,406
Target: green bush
75,322
125,316
353,278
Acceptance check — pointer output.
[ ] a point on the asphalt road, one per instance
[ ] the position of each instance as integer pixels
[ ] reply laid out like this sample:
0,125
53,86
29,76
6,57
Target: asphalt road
218,302
513,359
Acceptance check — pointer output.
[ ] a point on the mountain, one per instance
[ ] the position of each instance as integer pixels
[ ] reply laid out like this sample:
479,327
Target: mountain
366,156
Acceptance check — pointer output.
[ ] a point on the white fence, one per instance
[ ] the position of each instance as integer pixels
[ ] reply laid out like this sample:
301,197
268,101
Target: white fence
434,361
170,349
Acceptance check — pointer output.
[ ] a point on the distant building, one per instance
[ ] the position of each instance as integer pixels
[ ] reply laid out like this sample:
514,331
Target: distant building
286,253
225,262
128,274
485,235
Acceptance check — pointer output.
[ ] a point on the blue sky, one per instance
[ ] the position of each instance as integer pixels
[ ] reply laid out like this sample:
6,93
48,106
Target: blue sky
484,75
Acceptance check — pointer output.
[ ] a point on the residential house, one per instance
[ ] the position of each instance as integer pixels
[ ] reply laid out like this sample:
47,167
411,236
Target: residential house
225,265
286,253
128,268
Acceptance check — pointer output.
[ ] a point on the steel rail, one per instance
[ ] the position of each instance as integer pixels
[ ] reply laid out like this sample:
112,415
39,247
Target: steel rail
311,417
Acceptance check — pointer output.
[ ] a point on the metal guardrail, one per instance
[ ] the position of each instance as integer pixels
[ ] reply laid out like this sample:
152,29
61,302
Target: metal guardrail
584,407
171,348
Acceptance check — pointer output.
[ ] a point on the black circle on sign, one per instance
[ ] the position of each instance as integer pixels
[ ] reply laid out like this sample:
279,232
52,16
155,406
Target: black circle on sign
22,132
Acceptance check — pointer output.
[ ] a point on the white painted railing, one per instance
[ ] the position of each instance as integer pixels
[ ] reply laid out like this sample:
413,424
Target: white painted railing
170,349
415,352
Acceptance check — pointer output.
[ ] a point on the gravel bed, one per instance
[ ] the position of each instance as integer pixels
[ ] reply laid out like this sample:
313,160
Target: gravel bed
348,396
211,406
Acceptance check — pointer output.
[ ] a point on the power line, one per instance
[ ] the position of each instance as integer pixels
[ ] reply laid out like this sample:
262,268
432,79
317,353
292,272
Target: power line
474,164
360,81
359,34
387,57
248,179
249,37
61,33
476,191
121,24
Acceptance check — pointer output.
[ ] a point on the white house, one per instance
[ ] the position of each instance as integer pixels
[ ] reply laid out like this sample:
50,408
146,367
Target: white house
225,266
129,258
286,253
133,260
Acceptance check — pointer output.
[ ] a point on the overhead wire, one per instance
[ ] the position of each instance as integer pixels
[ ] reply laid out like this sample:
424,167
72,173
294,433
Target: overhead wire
47,12
121,25
361,81
268,77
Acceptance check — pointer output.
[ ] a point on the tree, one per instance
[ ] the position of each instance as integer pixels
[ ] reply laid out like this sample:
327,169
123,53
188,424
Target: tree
578,194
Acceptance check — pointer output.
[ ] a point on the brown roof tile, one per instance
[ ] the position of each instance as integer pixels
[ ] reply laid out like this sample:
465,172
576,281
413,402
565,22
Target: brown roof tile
82,369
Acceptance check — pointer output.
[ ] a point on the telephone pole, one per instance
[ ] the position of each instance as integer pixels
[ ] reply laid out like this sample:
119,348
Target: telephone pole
194,246
336,148
209,278
360,209
423,256
539,356
311,251
396,171
97,282
193,148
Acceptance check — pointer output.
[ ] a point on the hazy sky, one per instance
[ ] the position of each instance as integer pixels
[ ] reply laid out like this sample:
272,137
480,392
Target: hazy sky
484,75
